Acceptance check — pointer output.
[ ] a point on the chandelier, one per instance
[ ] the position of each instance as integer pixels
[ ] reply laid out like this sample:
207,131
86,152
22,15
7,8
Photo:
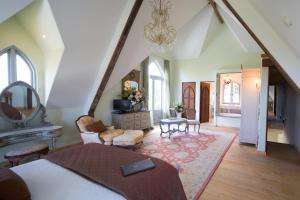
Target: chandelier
227,80
159,32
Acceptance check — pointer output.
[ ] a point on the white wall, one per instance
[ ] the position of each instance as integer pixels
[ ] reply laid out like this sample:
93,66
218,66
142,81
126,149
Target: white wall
13,33
292,113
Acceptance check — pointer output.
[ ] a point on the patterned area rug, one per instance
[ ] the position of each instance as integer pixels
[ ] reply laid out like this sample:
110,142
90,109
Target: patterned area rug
196,156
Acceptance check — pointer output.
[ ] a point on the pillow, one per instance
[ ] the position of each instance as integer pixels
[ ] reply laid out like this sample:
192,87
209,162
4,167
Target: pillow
97,127
12,186
90,137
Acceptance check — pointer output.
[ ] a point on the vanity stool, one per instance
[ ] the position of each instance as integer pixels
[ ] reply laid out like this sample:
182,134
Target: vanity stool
15,156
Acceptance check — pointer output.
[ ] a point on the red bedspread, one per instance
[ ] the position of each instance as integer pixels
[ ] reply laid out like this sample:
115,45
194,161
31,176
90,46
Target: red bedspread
101,164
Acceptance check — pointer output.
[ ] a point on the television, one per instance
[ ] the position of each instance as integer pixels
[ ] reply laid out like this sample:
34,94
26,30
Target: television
121,105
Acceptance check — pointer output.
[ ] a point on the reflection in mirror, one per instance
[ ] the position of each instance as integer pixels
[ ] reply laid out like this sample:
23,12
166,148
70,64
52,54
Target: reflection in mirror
130,85
19,102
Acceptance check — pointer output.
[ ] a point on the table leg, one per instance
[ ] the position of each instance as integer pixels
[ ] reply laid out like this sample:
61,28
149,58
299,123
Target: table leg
53,141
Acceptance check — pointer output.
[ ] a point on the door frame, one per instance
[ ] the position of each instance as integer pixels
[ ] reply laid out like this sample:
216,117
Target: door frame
211,82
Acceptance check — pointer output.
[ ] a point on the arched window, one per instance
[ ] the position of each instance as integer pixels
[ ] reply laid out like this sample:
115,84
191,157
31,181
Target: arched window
231,93
15,66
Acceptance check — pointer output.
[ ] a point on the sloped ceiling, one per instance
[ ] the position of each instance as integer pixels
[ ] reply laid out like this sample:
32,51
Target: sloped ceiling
275,43
284,18
38,20
9,8
242,36
192,36
87,29
136,48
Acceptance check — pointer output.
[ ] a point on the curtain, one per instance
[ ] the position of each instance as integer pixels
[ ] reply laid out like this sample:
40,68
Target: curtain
166,105
145,67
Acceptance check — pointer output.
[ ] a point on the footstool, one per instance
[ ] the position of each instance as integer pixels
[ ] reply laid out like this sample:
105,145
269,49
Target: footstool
129,139
15,156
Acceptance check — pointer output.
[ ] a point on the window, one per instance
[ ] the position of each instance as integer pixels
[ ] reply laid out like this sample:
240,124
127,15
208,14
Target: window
15,66
155,91
231,93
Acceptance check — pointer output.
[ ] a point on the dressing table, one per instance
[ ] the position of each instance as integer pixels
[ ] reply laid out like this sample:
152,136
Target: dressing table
22,116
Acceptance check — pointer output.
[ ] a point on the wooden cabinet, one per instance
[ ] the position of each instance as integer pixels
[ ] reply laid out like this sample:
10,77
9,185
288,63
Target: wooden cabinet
134,121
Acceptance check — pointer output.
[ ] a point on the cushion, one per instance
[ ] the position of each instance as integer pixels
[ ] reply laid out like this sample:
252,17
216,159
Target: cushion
108,135
83,121
27,150
90,137
12,186
97,127
129,138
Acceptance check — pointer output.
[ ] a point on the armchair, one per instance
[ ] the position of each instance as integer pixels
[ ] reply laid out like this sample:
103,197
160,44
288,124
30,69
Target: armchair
108,134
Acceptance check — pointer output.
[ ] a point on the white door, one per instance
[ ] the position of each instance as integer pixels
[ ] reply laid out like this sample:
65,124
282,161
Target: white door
249,107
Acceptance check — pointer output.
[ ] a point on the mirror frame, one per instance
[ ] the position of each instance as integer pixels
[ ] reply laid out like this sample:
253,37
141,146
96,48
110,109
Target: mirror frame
30,117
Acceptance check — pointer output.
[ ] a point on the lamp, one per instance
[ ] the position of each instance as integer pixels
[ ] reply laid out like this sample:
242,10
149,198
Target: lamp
227,80
159,32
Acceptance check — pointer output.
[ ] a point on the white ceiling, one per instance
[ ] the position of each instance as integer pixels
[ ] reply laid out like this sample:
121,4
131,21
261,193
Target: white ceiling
38,20
275,12
9,8
192,36
87,28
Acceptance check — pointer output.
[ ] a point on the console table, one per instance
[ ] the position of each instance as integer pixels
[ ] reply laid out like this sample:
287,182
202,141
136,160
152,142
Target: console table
171,121
29,134
132,120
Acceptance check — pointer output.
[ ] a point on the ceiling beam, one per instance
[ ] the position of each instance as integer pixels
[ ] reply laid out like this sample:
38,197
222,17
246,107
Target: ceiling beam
115,56
263,47
219,16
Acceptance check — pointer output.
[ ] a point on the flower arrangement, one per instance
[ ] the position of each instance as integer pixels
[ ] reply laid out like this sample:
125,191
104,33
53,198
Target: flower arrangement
136,96
179,108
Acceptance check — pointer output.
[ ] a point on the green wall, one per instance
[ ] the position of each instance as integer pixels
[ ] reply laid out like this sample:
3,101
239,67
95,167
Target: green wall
12,33
224,54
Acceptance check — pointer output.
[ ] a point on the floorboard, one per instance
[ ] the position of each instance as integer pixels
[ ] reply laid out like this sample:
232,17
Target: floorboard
246,174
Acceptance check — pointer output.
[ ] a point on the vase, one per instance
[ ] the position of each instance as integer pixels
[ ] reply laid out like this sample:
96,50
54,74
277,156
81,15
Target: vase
179,115
137,107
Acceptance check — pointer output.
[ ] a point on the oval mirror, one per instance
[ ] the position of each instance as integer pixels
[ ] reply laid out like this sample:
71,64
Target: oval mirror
130,85
19,102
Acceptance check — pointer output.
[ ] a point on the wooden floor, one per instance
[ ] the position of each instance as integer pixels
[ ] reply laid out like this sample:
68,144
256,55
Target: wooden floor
245,174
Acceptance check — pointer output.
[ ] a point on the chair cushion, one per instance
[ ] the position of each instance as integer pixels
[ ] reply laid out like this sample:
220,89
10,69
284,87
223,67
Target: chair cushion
27,150
12,186
129,138
97,127
193,122
108,135
90,137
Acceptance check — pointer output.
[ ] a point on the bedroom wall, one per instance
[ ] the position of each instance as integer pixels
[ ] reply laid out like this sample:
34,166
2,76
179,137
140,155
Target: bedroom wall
292,114
12,33
224,54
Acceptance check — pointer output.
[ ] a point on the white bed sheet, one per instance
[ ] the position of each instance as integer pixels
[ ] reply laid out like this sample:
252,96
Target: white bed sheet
48,181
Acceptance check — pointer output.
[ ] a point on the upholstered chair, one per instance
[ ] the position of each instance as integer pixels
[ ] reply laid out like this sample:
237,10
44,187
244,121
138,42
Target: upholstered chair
192,122
109,135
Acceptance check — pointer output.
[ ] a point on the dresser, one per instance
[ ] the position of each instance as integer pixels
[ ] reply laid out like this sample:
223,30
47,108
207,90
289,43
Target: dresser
134,120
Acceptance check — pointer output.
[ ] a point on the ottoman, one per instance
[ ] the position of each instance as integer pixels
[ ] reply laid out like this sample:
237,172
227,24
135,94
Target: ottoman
129,139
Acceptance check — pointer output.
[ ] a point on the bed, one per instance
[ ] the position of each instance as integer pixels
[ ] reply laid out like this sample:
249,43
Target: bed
48,181
92,171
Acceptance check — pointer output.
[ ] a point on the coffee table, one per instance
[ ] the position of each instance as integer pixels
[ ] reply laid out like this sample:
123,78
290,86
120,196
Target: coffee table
173,121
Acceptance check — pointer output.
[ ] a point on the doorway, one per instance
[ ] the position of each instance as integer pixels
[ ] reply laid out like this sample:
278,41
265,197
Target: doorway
276,115
207,92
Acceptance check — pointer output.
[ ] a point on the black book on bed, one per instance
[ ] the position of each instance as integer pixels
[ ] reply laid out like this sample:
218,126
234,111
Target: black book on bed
136,167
